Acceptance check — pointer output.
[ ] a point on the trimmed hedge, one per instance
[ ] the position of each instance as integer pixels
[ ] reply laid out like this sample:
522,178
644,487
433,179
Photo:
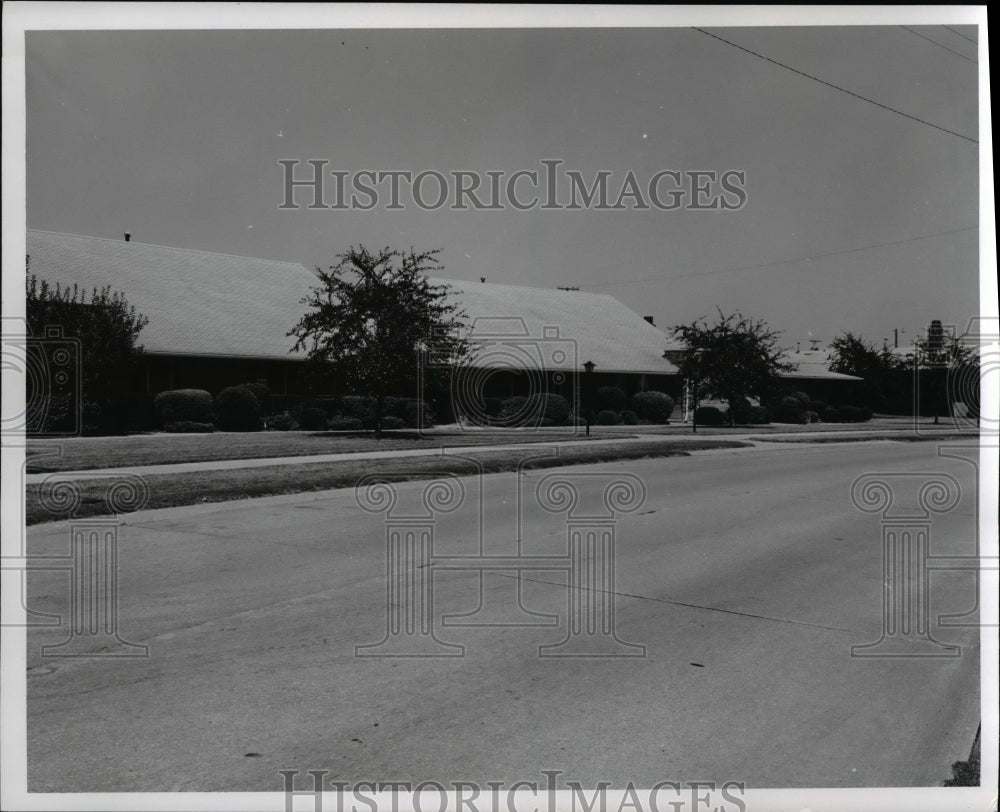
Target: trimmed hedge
313,418
709,416
855,414
653,406
629,418
341,423
611,398
606,417
178,405
282,422
237,409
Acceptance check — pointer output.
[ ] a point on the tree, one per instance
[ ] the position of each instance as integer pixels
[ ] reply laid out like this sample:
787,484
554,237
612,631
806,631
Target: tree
106,326
947,369
372,318
886,376
733,359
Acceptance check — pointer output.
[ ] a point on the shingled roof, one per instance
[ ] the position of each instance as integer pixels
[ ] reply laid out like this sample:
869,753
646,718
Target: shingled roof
204,304
562,328
198,303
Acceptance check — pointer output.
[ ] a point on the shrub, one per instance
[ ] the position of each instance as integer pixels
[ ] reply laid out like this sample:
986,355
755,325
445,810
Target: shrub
606,417
817,406
413,408
830,415
260,391
189,427
282,422
739,411
758,416
513,411
802,398
331,406
492,406
791,410
236,409
392,422
811,416
341,423
610,397
549,407
313,418
92,419
653,406
709,416
855,414
630,418
362,408
177,405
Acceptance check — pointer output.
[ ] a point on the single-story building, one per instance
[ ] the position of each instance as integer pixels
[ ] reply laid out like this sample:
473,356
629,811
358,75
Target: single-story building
216,320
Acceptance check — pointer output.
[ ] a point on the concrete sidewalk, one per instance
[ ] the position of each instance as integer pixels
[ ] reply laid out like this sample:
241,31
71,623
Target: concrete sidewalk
679,440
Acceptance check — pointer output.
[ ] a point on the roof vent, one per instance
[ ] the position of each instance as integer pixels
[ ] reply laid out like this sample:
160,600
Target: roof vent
128,236
650,320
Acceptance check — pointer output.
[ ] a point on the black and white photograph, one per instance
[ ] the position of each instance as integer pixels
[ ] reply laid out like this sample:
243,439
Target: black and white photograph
567,409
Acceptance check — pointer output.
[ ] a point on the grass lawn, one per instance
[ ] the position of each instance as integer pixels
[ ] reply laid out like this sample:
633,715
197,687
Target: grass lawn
86,453
170,490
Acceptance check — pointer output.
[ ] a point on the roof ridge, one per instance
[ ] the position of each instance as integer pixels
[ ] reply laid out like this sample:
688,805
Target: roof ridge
475,284
168,247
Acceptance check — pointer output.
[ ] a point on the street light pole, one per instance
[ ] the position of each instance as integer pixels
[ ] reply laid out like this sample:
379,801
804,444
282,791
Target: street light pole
589,369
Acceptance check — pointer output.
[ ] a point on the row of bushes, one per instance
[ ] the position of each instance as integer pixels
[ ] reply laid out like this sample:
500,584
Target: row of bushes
794,408
555,410
243,408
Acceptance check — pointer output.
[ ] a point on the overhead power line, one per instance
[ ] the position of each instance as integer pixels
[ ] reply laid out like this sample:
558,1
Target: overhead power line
956,31
939,45
782,261
836,87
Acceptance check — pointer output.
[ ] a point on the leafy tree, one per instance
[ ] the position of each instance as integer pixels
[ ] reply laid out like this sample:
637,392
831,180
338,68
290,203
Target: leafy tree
374,316
886,378
105,324
733,359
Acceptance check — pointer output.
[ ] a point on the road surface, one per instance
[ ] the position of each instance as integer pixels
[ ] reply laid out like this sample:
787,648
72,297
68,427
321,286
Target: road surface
742,581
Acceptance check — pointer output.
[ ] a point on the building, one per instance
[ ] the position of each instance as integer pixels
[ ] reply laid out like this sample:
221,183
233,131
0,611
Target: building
216,320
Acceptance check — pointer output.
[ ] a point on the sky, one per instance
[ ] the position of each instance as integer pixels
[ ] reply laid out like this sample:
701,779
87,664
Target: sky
861,200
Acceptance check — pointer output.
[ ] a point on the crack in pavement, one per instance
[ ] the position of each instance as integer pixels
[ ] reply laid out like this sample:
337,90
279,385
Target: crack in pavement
688,605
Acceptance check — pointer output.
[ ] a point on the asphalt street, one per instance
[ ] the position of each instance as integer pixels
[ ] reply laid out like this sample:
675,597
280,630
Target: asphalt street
741,579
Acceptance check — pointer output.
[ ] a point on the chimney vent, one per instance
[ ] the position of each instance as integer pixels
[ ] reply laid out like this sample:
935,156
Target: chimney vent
128,236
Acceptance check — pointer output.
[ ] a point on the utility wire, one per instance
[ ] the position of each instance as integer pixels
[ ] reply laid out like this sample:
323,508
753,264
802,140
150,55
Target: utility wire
782,261
956,31
836,87
939,45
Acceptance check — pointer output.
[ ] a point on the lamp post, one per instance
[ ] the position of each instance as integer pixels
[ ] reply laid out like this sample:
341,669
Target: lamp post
589,369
